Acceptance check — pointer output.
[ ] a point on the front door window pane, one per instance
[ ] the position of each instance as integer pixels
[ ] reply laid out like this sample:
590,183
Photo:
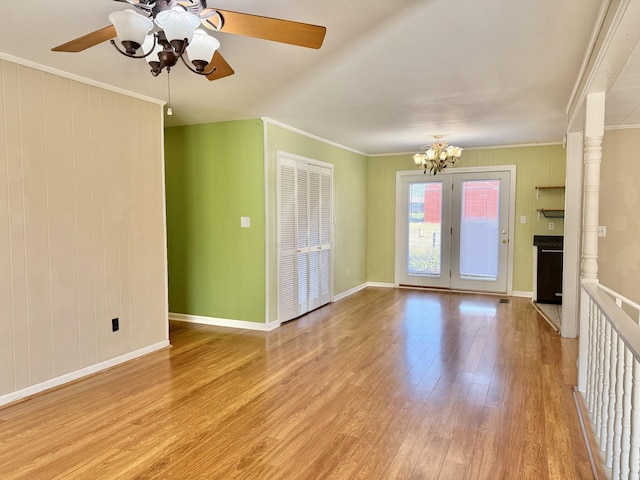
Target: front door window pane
480,230
425,229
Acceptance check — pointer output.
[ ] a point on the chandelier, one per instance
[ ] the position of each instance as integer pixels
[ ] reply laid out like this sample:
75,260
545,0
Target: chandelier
172,34
436,156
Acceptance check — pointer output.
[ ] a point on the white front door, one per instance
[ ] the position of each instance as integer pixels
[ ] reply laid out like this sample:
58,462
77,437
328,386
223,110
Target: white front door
453,230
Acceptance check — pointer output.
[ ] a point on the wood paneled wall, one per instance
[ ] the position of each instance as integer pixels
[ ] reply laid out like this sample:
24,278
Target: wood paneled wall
82,229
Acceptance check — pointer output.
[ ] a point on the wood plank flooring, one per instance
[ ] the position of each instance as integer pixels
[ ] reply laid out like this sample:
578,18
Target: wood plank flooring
385,384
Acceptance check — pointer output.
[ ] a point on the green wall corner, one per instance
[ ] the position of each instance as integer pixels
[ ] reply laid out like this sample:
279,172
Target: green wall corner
215,175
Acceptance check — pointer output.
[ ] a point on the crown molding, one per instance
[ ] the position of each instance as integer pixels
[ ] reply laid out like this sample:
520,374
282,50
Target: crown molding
78,78
311,135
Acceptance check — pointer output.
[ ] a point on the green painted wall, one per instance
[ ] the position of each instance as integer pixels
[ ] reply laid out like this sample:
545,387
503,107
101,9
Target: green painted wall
535,166
214,176
350,206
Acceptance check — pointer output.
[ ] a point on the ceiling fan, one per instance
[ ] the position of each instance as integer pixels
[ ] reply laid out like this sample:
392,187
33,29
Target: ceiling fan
162,14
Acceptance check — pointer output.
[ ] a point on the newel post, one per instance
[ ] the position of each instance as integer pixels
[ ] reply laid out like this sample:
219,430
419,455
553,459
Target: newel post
593,134
594,131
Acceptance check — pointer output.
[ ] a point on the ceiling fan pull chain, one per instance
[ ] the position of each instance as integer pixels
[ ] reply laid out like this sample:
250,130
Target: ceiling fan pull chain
169,109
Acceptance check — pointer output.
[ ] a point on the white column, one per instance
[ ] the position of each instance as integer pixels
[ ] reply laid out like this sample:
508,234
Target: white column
572,225
594,131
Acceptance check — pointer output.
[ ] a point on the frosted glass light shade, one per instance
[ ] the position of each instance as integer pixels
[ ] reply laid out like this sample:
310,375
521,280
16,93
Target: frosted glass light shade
148,43
130,26
202,47
177,24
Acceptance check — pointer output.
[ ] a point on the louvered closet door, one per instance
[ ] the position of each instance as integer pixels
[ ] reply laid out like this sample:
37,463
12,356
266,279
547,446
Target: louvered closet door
287,240
304,237
319,236
302,242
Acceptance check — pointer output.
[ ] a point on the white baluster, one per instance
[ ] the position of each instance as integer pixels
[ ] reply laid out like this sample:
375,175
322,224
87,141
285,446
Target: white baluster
590,393
611,352
625,442
600,374
606,384
634,455
617,429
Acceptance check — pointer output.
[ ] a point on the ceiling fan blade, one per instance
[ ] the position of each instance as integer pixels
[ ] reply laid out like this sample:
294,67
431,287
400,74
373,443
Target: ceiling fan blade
90,40
223,69
275,29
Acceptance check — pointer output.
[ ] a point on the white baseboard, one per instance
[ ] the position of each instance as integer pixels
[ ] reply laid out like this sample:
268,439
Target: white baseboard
381,284
356,289
349,292
78,374
224,322
522,294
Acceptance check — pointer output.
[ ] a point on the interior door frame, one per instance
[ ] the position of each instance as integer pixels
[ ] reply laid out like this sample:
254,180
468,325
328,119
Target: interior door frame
402,174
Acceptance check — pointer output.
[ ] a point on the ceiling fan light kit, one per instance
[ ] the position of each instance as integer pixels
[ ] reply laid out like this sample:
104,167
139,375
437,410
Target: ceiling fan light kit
178,33
167,29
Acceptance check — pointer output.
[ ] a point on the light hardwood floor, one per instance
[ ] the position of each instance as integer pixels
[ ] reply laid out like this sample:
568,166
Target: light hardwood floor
386,384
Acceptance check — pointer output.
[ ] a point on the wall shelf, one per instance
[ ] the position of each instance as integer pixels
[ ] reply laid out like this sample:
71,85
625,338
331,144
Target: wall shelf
548,213
547,187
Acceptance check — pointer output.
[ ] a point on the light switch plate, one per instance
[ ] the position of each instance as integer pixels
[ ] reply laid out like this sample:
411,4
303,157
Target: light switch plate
245,222
523,219
602,231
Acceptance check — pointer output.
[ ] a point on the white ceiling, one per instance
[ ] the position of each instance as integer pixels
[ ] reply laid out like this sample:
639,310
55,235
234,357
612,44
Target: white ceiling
623,100
389,76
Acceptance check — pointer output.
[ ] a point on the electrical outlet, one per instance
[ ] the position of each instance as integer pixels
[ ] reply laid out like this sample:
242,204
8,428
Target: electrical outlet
115,324
551,226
